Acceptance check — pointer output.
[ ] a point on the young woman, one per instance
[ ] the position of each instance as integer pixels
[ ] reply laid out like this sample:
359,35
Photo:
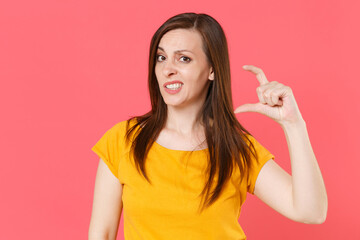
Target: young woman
182,170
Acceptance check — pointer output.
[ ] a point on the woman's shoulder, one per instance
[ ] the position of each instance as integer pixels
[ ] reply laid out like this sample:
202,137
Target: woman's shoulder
248,137
120,127
125,123
252,141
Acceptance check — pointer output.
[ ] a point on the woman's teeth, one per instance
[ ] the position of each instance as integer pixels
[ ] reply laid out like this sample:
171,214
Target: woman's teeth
174,86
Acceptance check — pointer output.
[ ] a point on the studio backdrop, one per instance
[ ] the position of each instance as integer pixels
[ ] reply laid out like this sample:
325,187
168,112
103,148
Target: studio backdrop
70,70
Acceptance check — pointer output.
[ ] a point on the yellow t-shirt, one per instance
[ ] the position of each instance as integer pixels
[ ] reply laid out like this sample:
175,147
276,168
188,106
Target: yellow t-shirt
168,208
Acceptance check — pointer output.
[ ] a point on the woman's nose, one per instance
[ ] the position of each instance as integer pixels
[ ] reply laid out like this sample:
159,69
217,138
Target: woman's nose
169,68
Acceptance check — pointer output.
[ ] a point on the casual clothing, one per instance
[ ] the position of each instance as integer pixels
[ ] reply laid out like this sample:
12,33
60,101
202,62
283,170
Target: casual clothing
167,209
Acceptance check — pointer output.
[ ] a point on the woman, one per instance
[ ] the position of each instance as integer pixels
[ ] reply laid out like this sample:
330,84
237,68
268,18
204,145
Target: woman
182,170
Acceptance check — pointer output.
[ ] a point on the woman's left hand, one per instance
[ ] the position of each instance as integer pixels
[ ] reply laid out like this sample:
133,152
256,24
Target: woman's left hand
277,101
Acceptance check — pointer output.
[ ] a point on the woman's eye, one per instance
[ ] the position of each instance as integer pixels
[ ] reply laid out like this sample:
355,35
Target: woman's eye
188,59
157,57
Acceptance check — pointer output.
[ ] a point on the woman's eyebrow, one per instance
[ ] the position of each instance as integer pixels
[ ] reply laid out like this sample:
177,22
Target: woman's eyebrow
177,51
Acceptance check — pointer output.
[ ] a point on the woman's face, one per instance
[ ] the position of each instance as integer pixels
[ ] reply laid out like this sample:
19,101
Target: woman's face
180,59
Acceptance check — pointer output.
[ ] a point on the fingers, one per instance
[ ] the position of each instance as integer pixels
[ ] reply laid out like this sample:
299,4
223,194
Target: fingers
260,94
275,96
271,93
260,75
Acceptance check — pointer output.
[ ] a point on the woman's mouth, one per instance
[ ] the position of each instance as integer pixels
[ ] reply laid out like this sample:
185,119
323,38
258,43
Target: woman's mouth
173,88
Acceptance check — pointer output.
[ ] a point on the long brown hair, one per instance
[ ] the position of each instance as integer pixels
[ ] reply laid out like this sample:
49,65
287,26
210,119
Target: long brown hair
224,134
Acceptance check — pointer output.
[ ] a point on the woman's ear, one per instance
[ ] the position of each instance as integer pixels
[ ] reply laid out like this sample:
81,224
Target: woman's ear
211,74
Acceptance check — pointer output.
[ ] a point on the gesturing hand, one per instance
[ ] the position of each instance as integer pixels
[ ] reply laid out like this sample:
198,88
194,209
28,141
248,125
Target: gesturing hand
276,100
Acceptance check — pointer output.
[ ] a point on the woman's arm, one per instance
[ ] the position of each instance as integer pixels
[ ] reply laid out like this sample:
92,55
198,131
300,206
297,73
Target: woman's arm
107,205
301,197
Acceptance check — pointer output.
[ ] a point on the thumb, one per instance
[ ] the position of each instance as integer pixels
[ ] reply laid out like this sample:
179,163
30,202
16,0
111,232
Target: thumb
249,107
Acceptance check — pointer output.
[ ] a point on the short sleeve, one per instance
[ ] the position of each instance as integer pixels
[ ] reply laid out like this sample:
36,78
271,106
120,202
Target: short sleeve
263,156
108,147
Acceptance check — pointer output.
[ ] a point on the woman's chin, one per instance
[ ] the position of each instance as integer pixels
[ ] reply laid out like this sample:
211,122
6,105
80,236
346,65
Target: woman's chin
174,104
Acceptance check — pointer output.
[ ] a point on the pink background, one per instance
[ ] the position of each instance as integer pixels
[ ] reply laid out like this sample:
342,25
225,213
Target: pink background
70,70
